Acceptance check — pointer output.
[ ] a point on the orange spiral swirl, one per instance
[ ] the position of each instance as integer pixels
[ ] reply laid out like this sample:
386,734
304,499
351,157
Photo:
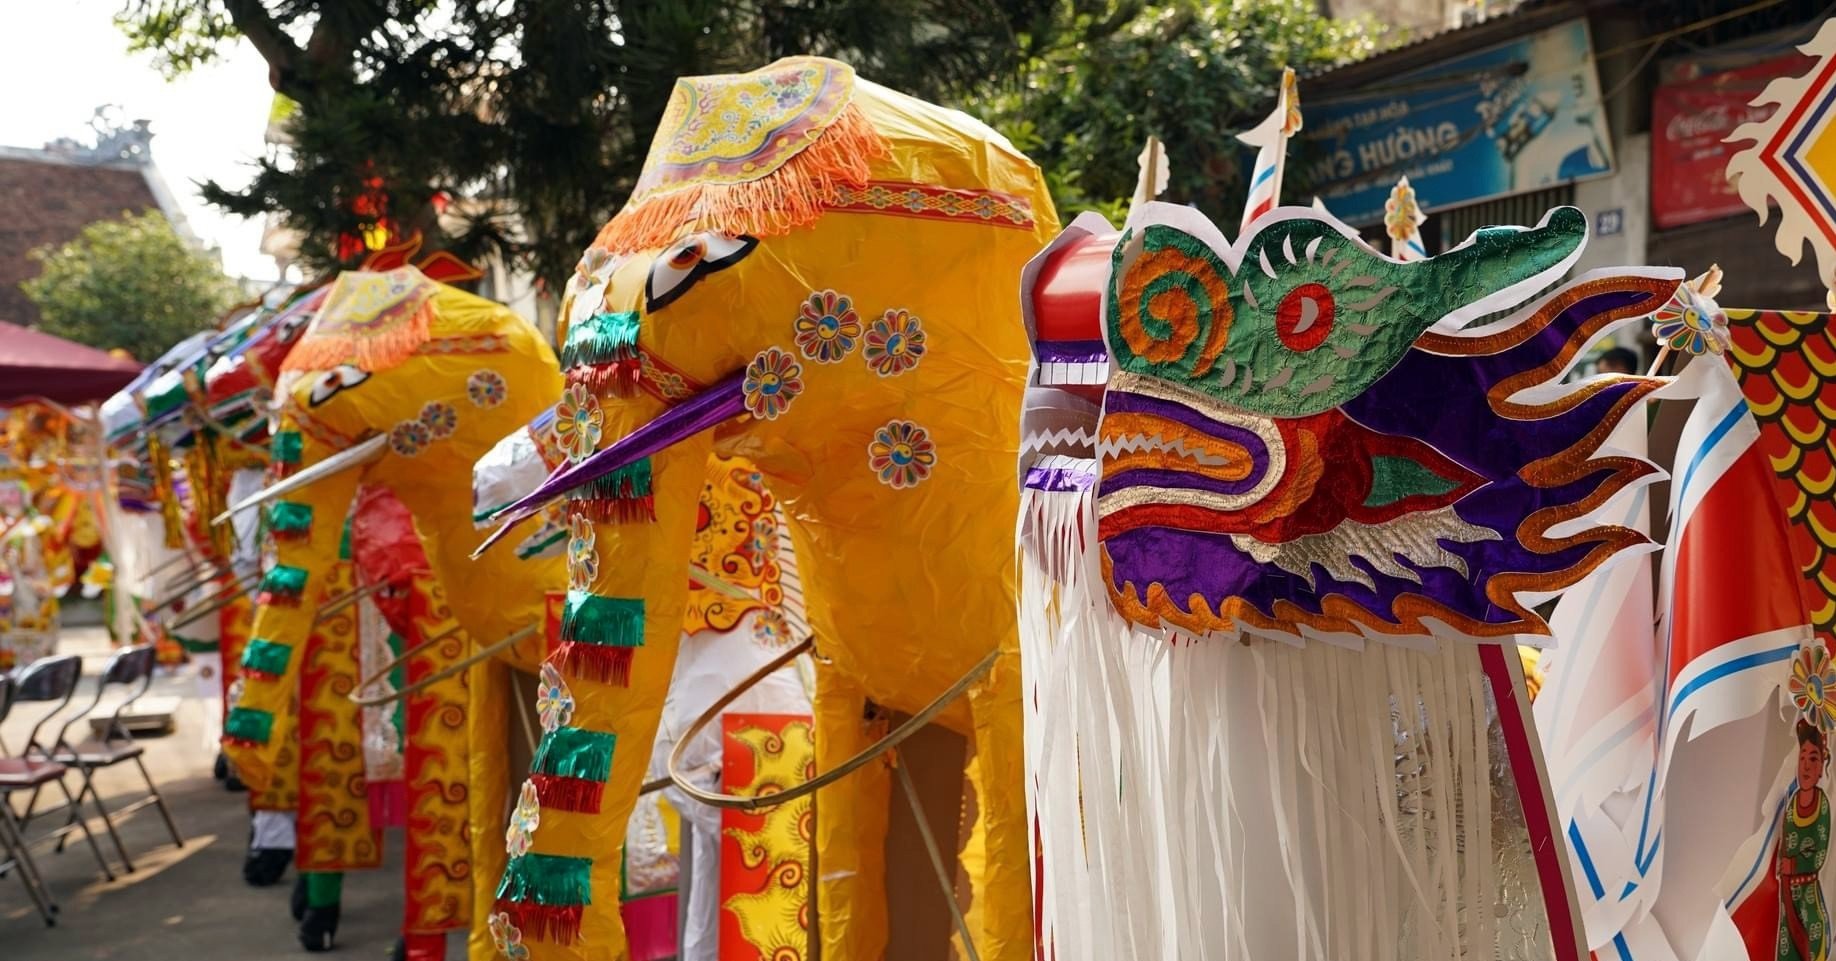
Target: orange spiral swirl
1170,300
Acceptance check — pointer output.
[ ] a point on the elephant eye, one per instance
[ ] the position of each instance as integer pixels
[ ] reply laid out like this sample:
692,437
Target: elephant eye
689,260
332,381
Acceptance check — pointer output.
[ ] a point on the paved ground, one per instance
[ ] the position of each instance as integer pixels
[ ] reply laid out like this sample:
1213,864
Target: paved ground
185,903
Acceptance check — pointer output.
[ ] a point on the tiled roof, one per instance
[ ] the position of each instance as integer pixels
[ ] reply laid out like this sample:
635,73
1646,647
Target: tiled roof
48,200
1525,18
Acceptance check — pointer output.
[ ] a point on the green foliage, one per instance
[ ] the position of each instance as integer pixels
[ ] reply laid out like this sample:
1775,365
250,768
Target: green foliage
128,283
526,122
1194,73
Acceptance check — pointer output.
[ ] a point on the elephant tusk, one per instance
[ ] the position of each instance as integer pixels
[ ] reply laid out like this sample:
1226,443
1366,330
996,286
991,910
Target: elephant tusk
344,460
346,599
712,405
719,586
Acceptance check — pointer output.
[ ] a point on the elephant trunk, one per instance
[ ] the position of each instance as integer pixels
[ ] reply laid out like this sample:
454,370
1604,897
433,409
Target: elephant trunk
308,531
602,694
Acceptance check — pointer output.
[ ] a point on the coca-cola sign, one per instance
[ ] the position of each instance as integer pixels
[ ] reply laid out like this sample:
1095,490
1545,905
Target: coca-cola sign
1699,102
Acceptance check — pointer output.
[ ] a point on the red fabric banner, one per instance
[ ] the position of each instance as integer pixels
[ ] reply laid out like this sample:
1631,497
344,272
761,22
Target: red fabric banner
1696,105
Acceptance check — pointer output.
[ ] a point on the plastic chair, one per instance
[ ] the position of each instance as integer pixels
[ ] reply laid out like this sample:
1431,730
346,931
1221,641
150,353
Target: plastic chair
127,668
47,680
15,855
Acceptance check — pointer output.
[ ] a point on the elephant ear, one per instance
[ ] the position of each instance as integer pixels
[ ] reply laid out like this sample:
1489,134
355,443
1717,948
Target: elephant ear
758,154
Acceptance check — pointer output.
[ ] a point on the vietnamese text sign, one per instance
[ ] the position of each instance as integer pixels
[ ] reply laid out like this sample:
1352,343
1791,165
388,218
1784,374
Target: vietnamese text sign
1513,118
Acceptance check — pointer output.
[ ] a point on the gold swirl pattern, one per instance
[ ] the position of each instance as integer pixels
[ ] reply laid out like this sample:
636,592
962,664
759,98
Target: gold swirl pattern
435,762
767,895
335,833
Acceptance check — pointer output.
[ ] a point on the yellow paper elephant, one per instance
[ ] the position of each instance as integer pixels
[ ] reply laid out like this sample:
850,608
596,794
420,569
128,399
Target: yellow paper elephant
412,380
821,275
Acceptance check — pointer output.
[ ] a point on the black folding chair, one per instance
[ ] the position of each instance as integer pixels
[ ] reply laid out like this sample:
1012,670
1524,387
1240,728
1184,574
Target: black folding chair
47,680
132,668
15,854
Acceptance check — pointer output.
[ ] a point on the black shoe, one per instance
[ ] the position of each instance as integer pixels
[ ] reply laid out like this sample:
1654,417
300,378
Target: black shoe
264,867
221,770
297,902
318,927
400,951
234,783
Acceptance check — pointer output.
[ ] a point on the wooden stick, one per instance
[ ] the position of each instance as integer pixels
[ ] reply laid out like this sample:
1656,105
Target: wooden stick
1658,364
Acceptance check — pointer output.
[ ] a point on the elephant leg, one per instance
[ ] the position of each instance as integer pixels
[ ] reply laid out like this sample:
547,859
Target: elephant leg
851,820
488,715
620,628
1002,891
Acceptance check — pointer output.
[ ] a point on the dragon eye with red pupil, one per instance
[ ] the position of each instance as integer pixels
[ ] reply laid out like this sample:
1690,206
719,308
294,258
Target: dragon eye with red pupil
686,256
1304,319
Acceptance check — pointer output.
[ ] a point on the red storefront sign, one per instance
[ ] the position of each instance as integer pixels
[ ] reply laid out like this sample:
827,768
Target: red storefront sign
1696,105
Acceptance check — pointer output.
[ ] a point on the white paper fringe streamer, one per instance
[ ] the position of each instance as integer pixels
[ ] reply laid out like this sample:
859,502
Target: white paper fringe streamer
1256,801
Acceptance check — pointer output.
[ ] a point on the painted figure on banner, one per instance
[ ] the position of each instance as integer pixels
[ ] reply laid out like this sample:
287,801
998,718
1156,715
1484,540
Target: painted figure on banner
1804,844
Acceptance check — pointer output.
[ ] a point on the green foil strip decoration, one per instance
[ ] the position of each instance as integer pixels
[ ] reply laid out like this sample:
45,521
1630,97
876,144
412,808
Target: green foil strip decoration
248,725
288,520
551,880
263,656
601,339
344,540
628,482
577,753
284,581
587,618
194,645
620,497
285,447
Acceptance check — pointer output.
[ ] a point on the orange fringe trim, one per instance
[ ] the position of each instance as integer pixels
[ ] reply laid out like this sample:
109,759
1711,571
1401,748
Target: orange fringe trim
370,352
792,196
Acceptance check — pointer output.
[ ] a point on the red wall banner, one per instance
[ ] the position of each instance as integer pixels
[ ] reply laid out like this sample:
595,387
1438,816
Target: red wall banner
1696,105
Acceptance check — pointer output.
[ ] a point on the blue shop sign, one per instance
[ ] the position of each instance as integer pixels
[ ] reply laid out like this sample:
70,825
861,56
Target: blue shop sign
1521,116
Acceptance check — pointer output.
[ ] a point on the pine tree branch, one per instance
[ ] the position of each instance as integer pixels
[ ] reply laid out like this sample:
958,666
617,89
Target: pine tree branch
265,34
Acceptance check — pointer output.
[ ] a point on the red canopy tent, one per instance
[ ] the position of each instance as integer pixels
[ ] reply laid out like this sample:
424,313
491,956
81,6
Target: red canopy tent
36,364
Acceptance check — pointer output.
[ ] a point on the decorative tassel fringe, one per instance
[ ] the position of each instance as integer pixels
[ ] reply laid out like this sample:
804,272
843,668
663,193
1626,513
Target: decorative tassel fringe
608,621
619,378
576,753
546,894
375,351
285,448
1248,754
622,496
283,585
248,726
601,339
637,510
265,658
556,925
606,665
792,196
289,521
568,793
